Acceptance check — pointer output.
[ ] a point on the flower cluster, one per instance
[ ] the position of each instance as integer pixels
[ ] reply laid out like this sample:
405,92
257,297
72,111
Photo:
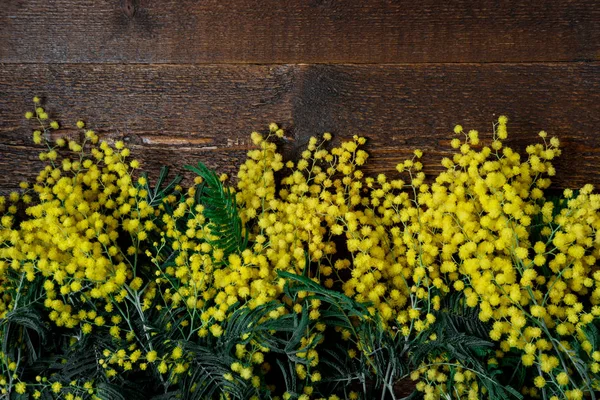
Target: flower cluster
192,289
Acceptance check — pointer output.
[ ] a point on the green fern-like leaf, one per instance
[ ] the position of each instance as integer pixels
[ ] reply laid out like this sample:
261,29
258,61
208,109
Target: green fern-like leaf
346,307
23,324
460,347
455,317
289,377
385,358
157,193
107,391
220,208
207,378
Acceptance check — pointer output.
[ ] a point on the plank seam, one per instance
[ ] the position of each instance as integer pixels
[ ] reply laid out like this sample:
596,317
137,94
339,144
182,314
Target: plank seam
158,64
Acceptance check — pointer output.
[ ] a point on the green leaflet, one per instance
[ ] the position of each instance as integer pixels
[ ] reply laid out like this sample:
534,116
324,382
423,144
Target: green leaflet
158,193
220,208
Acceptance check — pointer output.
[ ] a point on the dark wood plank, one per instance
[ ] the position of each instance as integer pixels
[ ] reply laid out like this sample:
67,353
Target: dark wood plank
401,108
180,114
167,114
290,31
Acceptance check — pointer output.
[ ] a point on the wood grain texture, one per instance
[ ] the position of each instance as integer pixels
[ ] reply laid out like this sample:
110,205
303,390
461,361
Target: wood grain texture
167,114
183,81
401,108
181,114
290,31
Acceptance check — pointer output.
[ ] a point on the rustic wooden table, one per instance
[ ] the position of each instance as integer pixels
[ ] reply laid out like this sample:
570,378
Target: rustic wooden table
185,80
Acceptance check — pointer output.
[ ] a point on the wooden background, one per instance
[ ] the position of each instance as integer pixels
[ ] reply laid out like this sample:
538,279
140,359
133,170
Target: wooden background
185,80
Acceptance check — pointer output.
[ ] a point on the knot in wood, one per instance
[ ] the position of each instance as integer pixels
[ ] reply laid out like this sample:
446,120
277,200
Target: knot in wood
129,7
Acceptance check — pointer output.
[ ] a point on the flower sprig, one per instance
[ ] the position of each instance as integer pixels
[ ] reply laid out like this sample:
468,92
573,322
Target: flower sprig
300,275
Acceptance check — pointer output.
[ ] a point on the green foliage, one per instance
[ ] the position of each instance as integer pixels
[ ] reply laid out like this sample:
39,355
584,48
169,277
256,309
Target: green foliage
221,210
283,330
455,318
206,380
160,190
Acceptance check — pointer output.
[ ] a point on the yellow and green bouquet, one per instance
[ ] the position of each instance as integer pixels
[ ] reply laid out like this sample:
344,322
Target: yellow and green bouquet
305,279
